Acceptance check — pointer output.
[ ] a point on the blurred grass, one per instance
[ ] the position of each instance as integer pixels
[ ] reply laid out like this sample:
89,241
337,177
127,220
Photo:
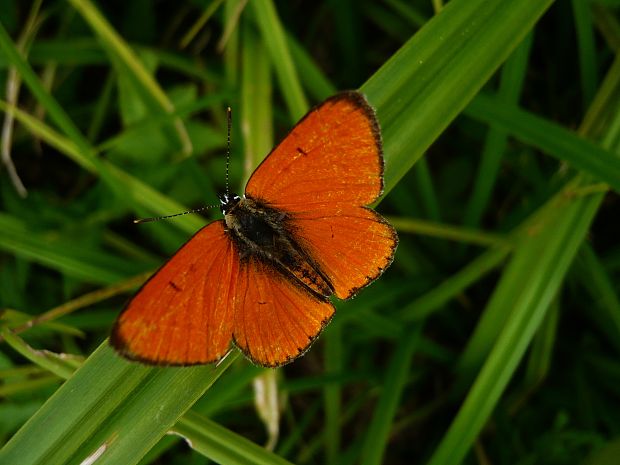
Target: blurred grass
492,339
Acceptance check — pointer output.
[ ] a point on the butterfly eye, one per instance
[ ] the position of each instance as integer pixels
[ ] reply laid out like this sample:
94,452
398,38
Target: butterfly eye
228,201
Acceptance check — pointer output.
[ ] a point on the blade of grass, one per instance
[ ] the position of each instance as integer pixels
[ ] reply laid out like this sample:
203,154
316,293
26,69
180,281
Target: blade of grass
82,263
143,402
606,309
256,105
449,232
523,296
539,360
548,137
274,37
586,48
511,82
134,190
84,300
231,47
55,111
61,365
434,71
377,434
222,445
531,279
433,300
152,93
200,22
334,361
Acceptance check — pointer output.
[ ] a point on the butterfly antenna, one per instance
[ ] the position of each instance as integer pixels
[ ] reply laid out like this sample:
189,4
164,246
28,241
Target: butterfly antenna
157,218
229,118
196,210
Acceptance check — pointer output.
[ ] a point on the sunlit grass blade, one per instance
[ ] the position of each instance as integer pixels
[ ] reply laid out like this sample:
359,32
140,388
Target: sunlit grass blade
123,409
59,364
274,37
154,96
256,101
222,445
511,82
65,256
420,89
524,295
549,137
134,190
537,271
396,376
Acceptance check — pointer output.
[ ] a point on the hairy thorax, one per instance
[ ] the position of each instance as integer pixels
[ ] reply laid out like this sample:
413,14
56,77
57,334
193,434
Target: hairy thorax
267,234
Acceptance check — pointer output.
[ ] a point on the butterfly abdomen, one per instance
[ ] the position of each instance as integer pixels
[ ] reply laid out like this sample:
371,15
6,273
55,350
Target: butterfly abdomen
262,232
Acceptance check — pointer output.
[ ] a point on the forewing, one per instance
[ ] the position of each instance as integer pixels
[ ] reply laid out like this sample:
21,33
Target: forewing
276,320
332,156
351,246
183,314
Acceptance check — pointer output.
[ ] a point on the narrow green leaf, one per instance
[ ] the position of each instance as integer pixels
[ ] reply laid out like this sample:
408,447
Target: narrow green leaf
222,445
512,77
256,105
122,53
121,411
548,137
274,37
537,271
377,434
67,257
420,89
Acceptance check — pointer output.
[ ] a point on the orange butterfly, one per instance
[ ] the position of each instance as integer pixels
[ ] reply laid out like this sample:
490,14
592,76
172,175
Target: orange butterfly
263,277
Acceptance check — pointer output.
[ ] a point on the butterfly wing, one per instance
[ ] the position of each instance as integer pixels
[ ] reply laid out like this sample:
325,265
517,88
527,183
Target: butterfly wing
183,314
352,246
331,157
323,174
276,319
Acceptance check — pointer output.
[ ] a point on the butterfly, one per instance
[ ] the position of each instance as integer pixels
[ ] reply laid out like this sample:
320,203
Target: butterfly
262,277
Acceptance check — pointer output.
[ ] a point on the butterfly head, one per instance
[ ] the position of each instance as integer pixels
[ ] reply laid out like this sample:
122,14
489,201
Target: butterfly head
228,202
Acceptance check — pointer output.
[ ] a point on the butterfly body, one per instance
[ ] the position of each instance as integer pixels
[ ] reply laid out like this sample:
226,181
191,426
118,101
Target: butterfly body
266,234
263,276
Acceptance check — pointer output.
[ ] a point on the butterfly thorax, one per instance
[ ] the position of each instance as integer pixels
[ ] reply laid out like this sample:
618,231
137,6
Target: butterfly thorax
264,233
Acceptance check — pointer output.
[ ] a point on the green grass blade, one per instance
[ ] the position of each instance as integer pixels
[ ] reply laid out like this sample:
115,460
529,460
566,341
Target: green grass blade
56,112
256,106
273,35
549,137
444,292
222,445
512,77
531,280
154,96
587,53
431,79
398,370
68,257
121,411
135,192
524,295
600,285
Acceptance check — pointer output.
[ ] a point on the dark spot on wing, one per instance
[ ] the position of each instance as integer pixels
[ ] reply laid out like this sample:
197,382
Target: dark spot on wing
174,286
301,151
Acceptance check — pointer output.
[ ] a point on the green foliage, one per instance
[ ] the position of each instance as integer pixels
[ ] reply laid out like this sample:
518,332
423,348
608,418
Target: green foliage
493,338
